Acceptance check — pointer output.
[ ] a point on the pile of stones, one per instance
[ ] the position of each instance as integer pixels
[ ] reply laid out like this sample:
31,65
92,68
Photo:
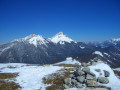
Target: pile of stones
83,77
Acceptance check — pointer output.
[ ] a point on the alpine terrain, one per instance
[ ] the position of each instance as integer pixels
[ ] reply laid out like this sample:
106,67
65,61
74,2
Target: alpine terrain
36,49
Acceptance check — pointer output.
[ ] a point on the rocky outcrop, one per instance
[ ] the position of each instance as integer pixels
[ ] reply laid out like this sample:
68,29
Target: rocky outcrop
83,77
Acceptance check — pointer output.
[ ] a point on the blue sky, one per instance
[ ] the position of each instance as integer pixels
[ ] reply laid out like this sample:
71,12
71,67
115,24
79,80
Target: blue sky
82,20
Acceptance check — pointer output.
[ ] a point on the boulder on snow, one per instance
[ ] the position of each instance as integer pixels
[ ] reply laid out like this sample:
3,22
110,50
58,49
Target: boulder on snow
79,73
107,74
90,77
97,70
91,73
103,80
86,69
93,63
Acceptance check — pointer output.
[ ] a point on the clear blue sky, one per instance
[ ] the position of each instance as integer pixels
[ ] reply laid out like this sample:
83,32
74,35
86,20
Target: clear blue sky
82,20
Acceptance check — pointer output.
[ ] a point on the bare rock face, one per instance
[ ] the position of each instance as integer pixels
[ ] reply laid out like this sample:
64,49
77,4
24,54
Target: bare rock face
103,80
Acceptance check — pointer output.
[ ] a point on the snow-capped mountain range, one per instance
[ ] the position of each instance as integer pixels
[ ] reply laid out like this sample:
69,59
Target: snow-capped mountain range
40,40
39,50
112,42
116,39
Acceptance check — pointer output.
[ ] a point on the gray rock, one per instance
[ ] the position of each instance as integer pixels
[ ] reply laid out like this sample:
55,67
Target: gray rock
82,64
78,68
85,64
50,77
103,80
89,63
73,82
100,73
79,73
79,85
95,88
80,79
97,70
71,75
106,73
74,77
90,77
67,81
92,83
91,73
66,86
93,63
86,69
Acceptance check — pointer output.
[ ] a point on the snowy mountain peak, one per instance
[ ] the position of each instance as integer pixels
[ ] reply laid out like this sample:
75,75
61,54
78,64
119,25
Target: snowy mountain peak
38,37
61,38
60,33
116,39
33,39
39,40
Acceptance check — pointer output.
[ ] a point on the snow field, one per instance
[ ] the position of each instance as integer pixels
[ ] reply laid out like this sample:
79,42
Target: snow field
30,77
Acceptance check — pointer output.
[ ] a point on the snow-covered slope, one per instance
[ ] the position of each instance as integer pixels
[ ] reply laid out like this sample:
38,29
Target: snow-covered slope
61,38
34,39
69,61
114,82
6,48
98,53
30,77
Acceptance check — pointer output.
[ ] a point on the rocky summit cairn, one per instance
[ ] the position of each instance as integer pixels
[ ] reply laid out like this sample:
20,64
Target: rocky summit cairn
84,78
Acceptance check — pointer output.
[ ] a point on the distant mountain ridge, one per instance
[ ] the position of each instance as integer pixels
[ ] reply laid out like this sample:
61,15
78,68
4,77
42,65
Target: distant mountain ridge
36,49
113,42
